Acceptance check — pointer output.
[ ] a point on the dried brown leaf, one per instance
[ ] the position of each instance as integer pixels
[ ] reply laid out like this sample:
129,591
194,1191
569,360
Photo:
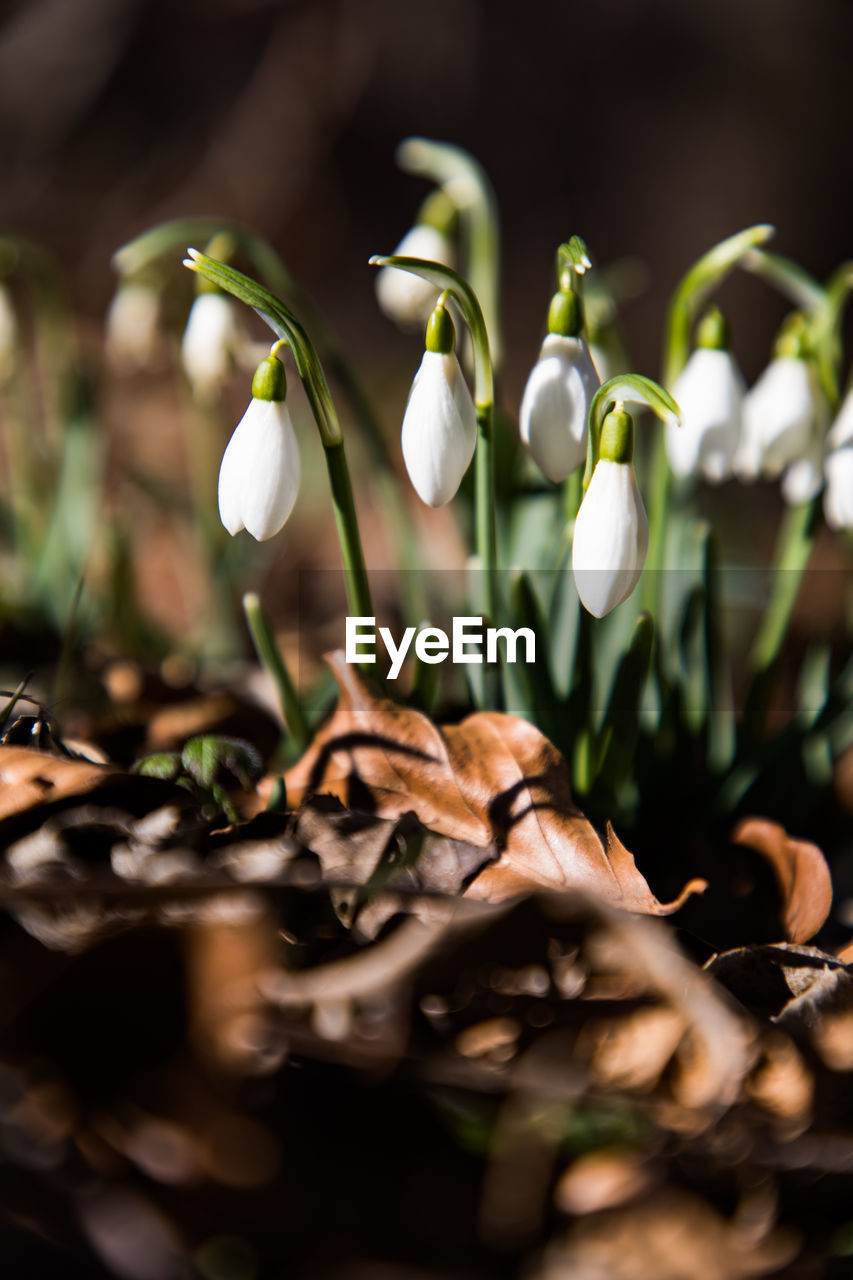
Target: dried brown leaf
494,781
673,1234
30,778
604,1179
794,986
801,872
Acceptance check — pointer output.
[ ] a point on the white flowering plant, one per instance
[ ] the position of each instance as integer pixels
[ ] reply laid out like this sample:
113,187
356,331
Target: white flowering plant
587,519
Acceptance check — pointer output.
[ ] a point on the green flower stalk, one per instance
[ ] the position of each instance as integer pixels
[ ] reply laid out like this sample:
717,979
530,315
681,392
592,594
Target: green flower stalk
463,180
689,299
611,531
270,657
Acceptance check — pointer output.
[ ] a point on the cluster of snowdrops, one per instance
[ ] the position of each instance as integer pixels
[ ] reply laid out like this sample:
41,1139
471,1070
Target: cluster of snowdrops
714,427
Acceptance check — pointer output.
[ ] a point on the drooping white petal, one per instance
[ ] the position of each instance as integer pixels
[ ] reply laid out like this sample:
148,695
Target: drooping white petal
838,496
131,326
406,298
780,414
803,479
231,471
260,472
611,538
841,431
208,342
709,391
555,404
439,429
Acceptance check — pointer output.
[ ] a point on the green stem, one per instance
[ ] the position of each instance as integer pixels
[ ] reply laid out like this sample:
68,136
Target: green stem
792,556
693,289
466,184
355,570
659,492
689,297
634,388
788,277
572,495
163,239
271,659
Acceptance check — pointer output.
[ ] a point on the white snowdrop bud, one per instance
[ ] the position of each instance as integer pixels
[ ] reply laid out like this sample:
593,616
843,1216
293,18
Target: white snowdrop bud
131,327
709,391
779,418
440,423
407,298
559,391
260,471
611,534
208,344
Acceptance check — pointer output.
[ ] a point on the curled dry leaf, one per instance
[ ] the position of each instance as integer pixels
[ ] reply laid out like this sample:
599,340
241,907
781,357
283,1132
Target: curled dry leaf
801,872
493,781
794,986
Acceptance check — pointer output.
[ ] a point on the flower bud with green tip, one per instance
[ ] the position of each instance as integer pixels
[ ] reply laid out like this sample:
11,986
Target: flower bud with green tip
210,339
260,471
440,423
783,411
611,533
408,299
710,391
559,391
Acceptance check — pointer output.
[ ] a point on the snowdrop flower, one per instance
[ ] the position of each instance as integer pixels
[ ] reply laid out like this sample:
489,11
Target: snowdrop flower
440,422
838,496
208,343
780,413
260,471
406,298
611,534
709,391
132,325
558,393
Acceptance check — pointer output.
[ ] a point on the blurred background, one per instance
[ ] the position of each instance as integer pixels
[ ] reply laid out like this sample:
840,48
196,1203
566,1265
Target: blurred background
652,129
